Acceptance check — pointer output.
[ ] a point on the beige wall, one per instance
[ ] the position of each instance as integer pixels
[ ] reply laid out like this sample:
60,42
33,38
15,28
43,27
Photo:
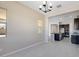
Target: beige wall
22,28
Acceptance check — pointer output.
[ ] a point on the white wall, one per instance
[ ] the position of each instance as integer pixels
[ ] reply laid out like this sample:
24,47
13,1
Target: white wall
67,18
22,28
67,6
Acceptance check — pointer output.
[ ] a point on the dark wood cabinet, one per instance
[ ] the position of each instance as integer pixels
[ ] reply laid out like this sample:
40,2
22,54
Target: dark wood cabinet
56,37
75,39
76,23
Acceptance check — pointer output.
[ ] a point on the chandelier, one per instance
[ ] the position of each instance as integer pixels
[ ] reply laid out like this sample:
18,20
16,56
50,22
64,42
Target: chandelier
45,7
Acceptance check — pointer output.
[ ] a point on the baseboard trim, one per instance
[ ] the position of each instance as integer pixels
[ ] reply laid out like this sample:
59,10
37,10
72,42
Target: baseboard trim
18,50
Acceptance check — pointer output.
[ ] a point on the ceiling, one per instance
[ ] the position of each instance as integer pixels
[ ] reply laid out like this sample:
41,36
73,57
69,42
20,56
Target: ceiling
65,6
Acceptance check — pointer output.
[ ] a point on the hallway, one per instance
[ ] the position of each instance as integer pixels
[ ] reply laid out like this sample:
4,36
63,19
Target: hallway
62,48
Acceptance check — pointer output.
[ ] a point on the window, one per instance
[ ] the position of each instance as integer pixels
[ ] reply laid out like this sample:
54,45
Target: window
3,30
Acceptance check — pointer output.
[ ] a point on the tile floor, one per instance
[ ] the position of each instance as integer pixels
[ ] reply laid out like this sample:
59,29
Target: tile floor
62,48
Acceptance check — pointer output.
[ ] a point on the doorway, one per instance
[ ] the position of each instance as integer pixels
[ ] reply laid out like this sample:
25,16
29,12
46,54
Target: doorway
54,29
64,30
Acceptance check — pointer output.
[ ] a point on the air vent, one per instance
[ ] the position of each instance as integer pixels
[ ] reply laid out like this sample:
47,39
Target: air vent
58,6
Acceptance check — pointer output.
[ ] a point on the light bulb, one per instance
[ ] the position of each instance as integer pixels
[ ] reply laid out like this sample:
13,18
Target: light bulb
40,6
50,4
44,2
